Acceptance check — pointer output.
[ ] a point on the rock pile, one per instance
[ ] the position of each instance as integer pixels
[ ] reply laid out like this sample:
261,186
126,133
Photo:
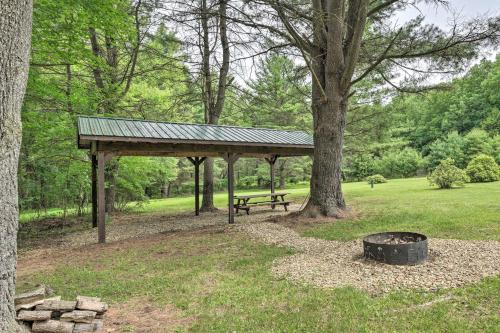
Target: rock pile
40,313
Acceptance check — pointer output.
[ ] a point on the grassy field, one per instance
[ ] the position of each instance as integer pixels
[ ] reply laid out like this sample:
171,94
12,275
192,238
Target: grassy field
221,280
472,212
171,205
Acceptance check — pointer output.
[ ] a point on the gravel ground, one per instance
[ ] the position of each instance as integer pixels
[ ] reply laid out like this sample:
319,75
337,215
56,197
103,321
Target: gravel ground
133,226
323,263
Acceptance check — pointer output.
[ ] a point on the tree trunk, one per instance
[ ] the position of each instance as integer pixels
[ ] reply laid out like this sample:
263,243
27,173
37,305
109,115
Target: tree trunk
326,190
213,101
282,174
111,173
207,204
165,190
337,34
69,78
15,39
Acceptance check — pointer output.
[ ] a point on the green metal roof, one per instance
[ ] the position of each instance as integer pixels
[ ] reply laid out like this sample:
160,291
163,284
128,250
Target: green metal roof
107,128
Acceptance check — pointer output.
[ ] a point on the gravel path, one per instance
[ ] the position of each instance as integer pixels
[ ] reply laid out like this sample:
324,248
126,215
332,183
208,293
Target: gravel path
323,263
133,226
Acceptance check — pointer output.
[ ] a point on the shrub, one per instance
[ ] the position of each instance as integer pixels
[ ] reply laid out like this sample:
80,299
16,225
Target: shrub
483,168
359,167
447,175
399,164
376,179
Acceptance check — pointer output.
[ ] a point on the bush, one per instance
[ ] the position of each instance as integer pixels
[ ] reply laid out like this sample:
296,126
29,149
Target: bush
446,175
359,167
399,164
376,179
483,168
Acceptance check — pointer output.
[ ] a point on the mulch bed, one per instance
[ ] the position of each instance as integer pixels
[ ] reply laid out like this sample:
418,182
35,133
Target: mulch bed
322,263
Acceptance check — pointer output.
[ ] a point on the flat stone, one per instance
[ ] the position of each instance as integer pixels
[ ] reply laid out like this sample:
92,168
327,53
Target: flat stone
78,316
27,315
57,305
91,305
31,296
31,305
52,326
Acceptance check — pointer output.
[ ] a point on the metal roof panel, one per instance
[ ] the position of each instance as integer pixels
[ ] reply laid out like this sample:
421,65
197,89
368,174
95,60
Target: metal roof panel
142,129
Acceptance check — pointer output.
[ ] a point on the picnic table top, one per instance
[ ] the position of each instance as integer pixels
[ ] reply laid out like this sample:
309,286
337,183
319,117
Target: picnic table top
276,194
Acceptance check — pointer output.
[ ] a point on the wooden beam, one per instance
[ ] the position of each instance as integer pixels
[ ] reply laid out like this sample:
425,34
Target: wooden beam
190,150
196,162
94,191
272,160
230,158
87,139
101,195
196,188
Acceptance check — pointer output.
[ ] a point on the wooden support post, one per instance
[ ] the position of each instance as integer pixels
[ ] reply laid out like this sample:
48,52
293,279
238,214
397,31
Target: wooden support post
196,188
94,191
230,158
272,160
101,163
196,162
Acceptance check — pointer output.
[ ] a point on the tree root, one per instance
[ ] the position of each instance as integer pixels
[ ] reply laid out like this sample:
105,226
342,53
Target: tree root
210,209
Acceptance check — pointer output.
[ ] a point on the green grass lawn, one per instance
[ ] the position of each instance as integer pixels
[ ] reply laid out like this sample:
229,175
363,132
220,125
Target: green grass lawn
472,212
223,280
170,205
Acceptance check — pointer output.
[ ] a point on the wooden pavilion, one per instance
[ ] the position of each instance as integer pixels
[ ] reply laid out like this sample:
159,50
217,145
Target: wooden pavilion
109,137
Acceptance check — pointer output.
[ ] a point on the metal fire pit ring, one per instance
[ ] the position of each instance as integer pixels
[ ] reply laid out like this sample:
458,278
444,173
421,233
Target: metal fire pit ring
396,248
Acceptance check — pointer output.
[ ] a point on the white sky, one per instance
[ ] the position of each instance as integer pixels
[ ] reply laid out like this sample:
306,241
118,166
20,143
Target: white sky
442,17
465,8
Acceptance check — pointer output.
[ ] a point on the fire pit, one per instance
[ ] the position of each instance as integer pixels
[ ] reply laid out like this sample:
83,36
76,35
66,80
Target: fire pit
396,248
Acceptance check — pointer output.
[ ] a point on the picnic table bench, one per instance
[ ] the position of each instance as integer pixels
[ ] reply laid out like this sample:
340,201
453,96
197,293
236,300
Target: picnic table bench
275,200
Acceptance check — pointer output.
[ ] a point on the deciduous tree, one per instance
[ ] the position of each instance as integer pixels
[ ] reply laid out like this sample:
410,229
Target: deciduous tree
15,41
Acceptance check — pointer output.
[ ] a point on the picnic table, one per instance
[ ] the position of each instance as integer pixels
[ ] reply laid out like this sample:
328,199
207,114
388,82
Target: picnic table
245,202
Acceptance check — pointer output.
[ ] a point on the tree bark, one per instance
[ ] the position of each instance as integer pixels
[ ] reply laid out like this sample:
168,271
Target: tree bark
69,78
326,189
207,203
282,174
15,40
213,101
111,174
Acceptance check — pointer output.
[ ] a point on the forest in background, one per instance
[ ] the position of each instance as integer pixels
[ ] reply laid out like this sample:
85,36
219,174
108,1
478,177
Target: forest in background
118,59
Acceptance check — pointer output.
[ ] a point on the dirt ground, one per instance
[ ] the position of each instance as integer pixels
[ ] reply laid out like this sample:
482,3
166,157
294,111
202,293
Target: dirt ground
140,316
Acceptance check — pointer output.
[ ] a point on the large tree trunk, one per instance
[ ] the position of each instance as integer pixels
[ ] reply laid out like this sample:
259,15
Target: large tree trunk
326,190
213,102
15,39
338,28
207,204
282,174
111,174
